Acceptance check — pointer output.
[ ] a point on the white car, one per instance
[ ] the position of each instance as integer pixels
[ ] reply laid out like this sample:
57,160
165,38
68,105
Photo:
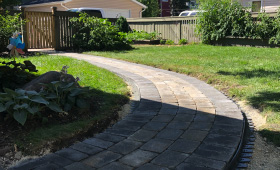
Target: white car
189,13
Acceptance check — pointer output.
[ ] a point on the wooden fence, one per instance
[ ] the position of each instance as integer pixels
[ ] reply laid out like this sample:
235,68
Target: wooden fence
49,29
172,28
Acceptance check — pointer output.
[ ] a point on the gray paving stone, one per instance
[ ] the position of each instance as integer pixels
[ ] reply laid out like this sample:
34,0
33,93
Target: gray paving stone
137,158
178,125
225,140
183,145
86,148
204,162
116,166
183,110
156,126
167,106
143,135
150,166
171,134
142,118
48,166
78,166
120,132
168,111
157,145
200,126
170,159
98,142
195,135
56,159
163,118
220,153
101,159
33,163
126,127
125,146
71,154
184,117
185,166
204,117
110,137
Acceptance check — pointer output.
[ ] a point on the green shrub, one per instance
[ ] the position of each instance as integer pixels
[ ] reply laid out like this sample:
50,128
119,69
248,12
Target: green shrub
14,74
58,96
162,41
169,42
122,25
97,34
142,35
8,25
183,41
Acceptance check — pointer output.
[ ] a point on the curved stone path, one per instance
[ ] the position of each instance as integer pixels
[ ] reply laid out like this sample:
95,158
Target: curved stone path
180,123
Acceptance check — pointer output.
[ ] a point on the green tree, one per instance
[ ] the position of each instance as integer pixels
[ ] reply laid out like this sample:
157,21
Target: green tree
178,6
153,8
6,3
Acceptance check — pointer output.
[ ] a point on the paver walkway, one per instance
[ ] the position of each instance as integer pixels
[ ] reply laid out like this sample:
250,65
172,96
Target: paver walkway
180,123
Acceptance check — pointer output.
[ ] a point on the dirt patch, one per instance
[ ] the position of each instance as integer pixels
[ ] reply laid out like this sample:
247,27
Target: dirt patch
265,154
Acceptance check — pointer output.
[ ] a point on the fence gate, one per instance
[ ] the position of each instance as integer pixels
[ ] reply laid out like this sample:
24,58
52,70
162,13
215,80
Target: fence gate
38,29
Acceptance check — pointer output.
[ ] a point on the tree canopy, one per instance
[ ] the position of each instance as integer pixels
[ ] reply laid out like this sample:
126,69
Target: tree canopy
6,3
153,8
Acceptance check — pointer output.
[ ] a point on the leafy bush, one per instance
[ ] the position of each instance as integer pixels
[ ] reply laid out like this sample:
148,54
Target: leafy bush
96,34
162,41
183,41
59,96
122,25
142,35
169,42
8,25
13,74
225,18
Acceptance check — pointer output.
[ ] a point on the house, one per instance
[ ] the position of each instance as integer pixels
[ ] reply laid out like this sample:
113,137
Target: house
165,6
133,7
262,5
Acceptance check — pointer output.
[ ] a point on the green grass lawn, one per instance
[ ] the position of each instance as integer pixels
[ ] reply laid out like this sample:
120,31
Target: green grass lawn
245,73
110,92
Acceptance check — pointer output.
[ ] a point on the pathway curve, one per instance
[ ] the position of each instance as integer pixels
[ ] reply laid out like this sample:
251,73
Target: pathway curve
180,123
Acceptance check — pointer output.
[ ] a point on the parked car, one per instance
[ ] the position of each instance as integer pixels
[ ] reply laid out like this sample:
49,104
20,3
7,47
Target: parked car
189,13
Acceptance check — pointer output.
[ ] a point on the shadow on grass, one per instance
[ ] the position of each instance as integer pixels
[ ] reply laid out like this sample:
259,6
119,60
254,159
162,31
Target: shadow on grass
272,136
252,73
266,99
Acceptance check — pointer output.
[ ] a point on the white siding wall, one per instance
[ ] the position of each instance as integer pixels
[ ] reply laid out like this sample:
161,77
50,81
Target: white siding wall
134,8
267,5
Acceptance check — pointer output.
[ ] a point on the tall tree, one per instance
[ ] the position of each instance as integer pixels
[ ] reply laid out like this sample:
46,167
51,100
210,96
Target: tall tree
6,3
178,6
153,8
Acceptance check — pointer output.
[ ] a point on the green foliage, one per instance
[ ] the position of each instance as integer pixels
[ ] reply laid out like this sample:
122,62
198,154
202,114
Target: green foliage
162,41
8,25
183,41
59,96
122,25
142,35
13,74
169,42
20,104
225,18
5,3
97,34
153,8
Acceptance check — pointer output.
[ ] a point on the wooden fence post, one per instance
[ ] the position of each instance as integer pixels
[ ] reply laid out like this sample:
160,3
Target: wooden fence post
55,29
24,29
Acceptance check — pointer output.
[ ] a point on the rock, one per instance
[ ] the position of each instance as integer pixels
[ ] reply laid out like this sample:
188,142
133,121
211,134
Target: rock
46,78
18,155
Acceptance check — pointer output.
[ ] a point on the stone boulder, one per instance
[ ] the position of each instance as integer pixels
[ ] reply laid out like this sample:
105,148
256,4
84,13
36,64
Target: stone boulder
46,78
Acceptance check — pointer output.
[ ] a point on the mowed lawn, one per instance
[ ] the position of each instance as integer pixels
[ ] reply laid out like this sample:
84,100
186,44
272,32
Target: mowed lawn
245,73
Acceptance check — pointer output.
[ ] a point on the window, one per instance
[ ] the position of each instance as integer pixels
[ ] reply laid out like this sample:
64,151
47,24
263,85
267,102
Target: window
256,6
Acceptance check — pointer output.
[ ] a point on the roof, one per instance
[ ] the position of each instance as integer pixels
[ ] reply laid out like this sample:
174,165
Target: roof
34,2
46,2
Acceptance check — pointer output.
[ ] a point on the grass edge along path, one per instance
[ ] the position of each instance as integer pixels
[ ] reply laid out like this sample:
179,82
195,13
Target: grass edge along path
244,73
112,94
